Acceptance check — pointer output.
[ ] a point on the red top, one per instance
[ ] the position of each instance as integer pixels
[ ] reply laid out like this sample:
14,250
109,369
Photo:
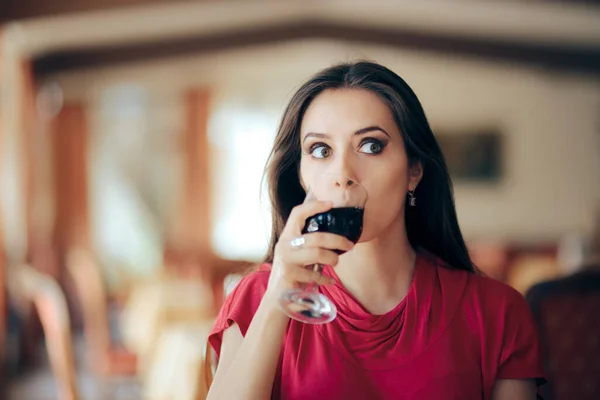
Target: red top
452,336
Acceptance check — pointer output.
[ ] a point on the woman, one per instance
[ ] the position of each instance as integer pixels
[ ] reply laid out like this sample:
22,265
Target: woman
415,320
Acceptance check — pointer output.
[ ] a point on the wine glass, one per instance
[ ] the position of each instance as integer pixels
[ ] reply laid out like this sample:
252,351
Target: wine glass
346,219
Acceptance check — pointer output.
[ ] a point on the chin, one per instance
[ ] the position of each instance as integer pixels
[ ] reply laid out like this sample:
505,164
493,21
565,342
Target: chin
369,234
385,225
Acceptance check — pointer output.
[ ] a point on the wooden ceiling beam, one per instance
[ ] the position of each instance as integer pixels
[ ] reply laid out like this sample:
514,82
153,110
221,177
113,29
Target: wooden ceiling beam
11,10
551,56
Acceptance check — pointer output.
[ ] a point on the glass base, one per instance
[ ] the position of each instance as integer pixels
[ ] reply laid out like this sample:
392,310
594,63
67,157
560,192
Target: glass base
307,306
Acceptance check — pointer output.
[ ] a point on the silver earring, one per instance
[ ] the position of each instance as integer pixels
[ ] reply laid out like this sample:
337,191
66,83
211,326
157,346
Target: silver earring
412,200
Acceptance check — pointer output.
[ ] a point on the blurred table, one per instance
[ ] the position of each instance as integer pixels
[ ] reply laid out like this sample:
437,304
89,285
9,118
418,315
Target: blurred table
176,367
166,321
161,300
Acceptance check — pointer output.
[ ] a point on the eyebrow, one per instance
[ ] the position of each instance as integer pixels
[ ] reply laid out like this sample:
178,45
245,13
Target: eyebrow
361,131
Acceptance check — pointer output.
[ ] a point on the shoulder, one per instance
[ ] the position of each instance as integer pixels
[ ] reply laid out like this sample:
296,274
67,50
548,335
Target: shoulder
241,304
491,302
251,286
501,320
503,311
493,293
508,330
257,278
477,289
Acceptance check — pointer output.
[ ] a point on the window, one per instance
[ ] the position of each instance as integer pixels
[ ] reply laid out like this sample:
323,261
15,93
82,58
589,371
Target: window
131,189
240,138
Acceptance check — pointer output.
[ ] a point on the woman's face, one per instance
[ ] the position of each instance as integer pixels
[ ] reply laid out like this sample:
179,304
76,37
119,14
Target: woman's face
352,132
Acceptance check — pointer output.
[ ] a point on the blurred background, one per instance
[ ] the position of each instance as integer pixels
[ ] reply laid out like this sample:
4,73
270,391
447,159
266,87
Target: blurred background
133,137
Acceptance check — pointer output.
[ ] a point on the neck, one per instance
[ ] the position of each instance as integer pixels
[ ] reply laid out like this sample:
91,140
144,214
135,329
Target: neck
378,273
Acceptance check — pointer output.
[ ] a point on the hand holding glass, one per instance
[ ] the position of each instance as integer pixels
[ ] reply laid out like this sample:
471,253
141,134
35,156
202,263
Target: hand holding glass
346,219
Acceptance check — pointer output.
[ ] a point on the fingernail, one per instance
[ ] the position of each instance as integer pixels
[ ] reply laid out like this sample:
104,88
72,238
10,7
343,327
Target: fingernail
331,281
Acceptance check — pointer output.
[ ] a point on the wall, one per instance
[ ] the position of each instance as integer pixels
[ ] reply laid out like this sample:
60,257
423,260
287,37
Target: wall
551,122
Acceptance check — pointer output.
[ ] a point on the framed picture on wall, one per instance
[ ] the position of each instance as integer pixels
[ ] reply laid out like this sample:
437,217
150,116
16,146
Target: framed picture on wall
474,155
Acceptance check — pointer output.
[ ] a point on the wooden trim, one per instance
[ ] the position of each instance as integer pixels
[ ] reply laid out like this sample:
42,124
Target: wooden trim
187,246
69,132
29,161
553,56
3,294
193,223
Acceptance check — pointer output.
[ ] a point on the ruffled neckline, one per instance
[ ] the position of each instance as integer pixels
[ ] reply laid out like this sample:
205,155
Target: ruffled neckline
380,342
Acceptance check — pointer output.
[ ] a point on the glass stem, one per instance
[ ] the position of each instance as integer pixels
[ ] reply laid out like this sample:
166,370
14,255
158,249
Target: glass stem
312,286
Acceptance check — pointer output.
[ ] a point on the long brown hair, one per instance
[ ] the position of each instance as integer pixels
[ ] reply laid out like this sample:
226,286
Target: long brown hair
433,224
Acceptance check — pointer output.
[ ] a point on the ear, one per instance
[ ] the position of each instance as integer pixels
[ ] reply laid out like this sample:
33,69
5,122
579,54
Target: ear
415,173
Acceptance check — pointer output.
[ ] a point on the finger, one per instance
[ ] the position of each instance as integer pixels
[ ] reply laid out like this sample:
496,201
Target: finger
301,213
310,256
326,240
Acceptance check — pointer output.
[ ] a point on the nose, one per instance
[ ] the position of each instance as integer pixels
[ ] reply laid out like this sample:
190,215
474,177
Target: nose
343,167
344,182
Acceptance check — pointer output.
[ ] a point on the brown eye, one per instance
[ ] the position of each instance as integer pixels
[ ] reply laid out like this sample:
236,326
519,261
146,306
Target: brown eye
371,148
321,152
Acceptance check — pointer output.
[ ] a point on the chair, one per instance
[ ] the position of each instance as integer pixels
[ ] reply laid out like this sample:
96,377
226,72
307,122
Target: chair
210,364
29,285
567,312
105,356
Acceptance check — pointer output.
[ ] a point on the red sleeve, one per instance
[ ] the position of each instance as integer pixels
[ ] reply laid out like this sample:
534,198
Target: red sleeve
521,352
240,306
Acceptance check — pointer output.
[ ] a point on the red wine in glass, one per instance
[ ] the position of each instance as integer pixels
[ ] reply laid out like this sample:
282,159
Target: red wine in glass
344,221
